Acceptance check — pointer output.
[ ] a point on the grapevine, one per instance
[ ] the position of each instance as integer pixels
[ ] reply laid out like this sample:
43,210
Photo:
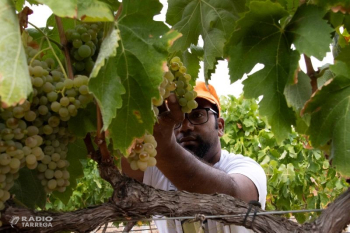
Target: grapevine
35,134
174,81
84,42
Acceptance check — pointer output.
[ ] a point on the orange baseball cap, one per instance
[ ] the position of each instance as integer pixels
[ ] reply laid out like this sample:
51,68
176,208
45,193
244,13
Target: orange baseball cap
208,93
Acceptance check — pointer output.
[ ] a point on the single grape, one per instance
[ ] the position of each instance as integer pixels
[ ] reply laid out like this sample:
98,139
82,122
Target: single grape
84,51
49,174
37,82
30,159
189,95
68,83
55,106
64,101
183,101
77,43
14,163
52,184
192,104
52,96
32,130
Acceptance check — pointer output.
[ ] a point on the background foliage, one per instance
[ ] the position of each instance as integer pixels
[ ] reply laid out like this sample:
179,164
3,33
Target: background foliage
298,177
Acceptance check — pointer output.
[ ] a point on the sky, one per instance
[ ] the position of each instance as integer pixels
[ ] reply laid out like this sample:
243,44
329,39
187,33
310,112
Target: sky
220,79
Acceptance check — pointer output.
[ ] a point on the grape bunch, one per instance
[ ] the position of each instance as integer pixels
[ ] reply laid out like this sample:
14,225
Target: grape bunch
84,42
174,81
35,134
19,147
143,153
177,80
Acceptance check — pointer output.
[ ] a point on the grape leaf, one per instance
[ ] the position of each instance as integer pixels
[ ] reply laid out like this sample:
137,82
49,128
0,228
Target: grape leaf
211,19
340,68
108,88
333,3
104,83
85,10
306,25
108,49
28,189
141,61
84,122
76,151
297,94
19,5
342,64
330,119
191,61
260,39
15,84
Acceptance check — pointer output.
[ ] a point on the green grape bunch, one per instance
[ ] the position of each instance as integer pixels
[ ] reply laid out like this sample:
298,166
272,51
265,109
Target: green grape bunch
143,153
174,81
84,42
34,134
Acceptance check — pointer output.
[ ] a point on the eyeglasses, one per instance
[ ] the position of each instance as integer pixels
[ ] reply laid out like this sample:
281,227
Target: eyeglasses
198,116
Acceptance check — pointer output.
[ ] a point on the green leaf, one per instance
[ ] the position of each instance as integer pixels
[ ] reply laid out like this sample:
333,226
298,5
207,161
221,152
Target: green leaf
28,189
68,9
306,25
108,89
19,5
85,10
211,19
327,75
105,85
340,68
108,49
297,94
94,10
191,61
139,63
84,122
331,3
15,84
336,19
330,108
260,39
76,151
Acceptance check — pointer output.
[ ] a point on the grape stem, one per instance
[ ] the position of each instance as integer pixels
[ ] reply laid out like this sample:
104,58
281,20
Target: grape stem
100,138
37,54
119,12
311,73
65,48
90,148
53,51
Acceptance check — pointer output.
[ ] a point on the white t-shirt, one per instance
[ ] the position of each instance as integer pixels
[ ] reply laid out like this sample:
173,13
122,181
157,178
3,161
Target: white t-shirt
229,163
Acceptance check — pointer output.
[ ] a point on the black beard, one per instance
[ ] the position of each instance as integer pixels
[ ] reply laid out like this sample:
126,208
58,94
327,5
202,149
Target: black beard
201,150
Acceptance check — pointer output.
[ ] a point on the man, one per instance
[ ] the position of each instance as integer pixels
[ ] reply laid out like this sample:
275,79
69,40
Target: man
189,156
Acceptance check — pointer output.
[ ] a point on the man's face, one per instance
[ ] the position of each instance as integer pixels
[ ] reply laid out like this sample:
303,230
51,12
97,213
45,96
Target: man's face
201,140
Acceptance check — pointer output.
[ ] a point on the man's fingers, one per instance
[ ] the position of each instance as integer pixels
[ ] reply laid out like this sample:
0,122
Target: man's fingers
170,113
175,109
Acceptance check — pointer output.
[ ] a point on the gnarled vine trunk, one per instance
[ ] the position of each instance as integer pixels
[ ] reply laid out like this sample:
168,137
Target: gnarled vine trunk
132,200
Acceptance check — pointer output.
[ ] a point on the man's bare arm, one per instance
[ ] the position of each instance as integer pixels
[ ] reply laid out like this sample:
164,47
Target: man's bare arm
187,172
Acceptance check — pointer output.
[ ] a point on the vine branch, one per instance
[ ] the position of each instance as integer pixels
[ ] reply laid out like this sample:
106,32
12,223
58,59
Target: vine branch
133,200
119,12
311,73
100,139
65,47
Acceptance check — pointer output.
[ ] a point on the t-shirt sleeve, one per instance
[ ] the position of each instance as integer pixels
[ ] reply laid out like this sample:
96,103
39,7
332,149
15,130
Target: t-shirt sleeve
248,167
